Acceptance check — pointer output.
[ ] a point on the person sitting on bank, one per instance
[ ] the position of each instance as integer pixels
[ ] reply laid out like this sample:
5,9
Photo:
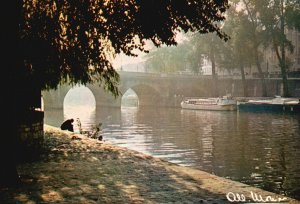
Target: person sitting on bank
67,125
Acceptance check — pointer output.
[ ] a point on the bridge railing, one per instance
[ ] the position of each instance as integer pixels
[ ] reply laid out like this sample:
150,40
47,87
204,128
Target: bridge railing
179,75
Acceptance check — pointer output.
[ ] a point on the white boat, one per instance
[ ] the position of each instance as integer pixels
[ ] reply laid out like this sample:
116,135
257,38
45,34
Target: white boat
225,103
276,100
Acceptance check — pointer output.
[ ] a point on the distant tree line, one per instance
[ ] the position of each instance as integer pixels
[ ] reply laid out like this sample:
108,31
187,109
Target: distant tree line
253,25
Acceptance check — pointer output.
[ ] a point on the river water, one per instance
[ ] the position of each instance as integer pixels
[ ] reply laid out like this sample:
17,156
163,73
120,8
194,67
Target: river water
260,149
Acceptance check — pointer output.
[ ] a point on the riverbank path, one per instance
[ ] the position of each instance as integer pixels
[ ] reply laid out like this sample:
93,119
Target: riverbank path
75,169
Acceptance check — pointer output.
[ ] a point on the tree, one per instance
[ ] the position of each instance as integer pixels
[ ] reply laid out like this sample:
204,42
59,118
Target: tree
241,45
184,57
236,53
208,46
75,41
49,42
195,58
282,14
232,54
256,31
274,18
167,59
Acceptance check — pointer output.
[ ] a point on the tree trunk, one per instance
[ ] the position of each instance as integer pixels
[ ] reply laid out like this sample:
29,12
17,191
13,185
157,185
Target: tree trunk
284,81
9,61
282,62
282,68
282,65
281,55
244,82
260,73
214,74
8,171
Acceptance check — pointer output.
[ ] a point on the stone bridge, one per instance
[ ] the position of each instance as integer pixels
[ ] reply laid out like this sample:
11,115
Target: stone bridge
169,90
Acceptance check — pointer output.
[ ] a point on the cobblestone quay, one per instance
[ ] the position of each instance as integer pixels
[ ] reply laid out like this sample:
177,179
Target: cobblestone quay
75,169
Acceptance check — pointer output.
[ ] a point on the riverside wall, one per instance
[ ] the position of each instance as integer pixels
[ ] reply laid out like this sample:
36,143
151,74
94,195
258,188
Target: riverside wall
254,87
30,135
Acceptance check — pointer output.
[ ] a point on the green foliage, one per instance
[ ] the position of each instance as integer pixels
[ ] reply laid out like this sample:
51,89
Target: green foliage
239,49
167,59
276,16
188,56
199,47
75,41
293,16
253,27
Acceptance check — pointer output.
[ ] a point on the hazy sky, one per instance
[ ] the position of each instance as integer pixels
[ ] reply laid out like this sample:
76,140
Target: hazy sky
123,59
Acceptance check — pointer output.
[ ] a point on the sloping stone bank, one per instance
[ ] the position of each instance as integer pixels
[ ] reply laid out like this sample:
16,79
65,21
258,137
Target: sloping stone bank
75,169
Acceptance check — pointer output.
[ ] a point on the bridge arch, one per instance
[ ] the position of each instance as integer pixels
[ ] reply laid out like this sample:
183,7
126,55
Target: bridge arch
130,99
147,95
79,96
79,103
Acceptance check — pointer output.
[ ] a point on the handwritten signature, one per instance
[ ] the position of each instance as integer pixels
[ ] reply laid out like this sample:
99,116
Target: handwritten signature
239,197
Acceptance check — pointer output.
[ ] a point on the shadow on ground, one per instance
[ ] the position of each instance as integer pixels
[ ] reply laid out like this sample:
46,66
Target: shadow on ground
72,169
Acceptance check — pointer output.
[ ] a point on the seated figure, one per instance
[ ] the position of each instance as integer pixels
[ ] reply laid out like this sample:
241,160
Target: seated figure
67,125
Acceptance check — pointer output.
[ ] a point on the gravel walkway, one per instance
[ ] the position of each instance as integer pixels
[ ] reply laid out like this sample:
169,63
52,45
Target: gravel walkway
76,169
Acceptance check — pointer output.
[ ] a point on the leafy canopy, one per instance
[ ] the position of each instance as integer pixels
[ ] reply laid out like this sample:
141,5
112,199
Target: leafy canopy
75,41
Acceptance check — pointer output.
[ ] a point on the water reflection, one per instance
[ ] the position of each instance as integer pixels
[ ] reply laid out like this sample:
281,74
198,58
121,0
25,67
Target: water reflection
257,149
86,116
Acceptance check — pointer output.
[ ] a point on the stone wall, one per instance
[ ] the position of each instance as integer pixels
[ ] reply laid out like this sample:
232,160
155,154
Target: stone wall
30,134
274,87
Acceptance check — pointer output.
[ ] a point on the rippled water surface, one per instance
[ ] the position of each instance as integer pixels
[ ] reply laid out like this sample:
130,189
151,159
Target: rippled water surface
260,149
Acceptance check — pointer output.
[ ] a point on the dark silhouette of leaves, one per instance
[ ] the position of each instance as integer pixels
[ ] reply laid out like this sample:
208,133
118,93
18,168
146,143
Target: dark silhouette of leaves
75,41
